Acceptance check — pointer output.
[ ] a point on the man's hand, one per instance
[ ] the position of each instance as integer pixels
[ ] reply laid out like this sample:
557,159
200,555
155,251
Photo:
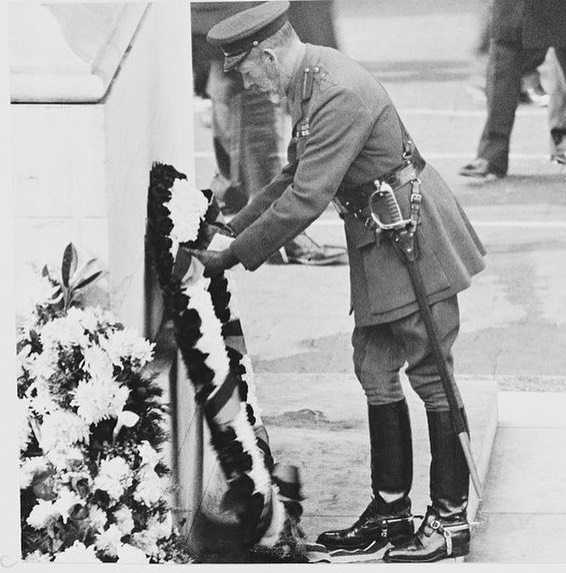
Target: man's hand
210,229
215,262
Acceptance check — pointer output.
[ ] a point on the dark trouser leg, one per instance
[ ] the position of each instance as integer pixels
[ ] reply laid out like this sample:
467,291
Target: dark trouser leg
503,84
557,103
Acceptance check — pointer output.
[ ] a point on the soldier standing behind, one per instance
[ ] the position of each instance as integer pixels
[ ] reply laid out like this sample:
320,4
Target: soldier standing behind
347,138
246,125
521,31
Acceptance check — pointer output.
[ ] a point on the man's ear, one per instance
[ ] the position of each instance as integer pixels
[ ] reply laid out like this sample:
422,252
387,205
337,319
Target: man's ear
269,55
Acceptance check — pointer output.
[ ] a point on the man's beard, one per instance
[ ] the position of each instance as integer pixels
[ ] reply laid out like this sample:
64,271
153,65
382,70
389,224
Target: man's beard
274,98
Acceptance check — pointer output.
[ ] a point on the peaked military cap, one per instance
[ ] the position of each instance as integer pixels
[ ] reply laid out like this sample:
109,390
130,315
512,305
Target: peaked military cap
240,33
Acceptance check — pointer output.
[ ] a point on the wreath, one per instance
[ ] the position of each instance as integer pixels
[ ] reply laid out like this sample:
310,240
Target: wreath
210,340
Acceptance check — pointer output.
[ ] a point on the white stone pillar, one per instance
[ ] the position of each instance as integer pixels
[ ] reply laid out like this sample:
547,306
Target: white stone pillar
9,500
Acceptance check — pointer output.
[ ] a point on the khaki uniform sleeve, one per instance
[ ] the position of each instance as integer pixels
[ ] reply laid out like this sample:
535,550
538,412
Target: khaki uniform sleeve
340,125
271,192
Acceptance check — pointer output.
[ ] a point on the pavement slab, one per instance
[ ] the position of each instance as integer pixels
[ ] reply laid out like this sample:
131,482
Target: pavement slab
319,423
522,517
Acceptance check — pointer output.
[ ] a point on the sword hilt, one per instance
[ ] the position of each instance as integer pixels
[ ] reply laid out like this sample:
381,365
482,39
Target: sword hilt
385,209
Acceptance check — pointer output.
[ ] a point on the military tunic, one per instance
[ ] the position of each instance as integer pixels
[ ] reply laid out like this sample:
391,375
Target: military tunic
346,132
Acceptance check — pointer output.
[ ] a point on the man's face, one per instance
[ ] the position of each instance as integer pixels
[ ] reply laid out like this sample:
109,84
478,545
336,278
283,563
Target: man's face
260,71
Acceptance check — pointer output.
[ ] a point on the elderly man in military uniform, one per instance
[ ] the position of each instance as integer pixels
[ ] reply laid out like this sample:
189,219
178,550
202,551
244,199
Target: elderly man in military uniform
348,139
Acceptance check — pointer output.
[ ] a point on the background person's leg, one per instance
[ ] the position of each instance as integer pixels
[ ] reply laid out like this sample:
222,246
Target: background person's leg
557,104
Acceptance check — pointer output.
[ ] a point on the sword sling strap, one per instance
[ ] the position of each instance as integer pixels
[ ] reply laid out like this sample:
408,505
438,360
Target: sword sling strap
359,201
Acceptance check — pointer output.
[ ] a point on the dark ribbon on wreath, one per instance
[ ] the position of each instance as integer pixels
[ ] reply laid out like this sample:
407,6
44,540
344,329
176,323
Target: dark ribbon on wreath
234,461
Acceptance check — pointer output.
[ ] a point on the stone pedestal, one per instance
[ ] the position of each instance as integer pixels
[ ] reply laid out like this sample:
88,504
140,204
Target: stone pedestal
99,93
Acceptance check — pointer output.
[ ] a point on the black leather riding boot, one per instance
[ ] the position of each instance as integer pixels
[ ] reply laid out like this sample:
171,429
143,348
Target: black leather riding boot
445,531
387,519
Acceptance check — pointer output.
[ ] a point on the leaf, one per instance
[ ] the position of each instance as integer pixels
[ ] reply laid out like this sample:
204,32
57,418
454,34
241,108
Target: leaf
88,280
57,294
85,269
69,264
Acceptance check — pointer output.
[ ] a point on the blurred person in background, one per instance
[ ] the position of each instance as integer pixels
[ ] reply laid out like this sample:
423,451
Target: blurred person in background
247,127
557,109
520,31
531,90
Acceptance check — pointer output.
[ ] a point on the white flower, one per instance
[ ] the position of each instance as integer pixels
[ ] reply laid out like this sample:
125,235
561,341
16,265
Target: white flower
91,319
160,529
37,291
65,458
114,476
124,519
211,342
99,399
130,554
97,517
30,467
42,366
66,331
24,360
42,512
246,436
187,206
66,501
146,541
108,540
42,403
151,488
231,287
97,362
248,379
150,457
24,429
37,557
126,344
61,429
78,553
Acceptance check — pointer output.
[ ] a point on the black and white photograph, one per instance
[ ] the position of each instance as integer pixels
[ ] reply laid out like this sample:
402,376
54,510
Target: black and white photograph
284,283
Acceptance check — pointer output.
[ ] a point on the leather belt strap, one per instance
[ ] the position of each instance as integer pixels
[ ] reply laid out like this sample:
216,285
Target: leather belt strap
355,201
395,178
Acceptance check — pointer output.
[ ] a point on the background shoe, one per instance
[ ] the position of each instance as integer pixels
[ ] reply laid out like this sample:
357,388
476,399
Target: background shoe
559,156
531,91
480,168
302,250
534,97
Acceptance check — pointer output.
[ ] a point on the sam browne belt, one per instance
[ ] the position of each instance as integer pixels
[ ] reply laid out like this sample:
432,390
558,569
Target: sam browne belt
374,202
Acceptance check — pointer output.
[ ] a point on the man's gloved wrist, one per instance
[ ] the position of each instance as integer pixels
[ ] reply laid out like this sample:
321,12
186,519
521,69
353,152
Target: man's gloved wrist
228,258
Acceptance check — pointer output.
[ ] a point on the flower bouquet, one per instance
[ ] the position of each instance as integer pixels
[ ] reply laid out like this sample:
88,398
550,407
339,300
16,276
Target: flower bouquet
94,484
264,496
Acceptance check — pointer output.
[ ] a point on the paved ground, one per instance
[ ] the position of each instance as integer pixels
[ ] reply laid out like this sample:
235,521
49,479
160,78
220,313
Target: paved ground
513,318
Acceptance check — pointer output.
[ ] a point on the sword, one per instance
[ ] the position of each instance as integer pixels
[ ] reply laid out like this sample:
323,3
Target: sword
386,214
